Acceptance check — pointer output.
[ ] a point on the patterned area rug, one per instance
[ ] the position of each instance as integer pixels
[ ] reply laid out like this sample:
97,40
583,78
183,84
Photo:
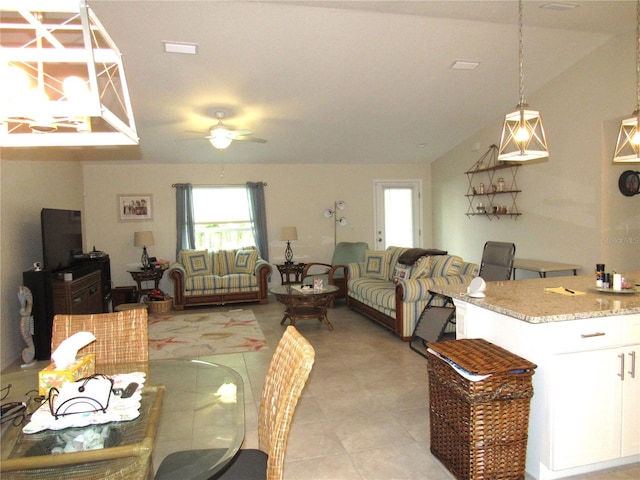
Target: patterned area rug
192,335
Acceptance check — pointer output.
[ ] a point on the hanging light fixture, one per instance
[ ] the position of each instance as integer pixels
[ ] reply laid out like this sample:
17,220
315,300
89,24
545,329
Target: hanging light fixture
523,136
62,80
628,145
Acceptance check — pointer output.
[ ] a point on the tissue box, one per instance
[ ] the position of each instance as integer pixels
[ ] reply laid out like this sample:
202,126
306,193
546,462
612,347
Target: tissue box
50,377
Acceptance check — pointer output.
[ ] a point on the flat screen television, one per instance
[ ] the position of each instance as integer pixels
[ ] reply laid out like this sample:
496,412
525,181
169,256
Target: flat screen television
61,237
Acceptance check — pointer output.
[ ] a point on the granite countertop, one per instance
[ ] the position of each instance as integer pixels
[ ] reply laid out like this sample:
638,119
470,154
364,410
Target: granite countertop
529,301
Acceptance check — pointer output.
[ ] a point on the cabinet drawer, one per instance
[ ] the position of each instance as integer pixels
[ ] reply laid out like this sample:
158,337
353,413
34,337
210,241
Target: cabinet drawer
587,334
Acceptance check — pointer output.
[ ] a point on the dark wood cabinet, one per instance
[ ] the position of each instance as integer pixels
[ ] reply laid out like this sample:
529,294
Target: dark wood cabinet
79,296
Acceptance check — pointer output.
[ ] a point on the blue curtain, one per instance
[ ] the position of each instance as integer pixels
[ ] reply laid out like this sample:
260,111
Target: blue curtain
258,216
186,234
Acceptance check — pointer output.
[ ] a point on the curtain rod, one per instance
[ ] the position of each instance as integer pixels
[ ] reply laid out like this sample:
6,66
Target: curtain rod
174,185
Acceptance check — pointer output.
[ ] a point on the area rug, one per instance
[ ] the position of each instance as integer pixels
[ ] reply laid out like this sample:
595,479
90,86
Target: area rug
192,335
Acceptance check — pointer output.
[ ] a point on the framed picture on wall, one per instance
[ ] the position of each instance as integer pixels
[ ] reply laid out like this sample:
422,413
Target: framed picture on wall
135,207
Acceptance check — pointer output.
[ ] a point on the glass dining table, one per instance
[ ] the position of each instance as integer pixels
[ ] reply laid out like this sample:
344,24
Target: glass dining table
185,405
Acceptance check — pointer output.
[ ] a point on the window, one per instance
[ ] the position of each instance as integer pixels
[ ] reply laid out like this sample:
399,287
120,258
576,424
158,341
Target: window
222,220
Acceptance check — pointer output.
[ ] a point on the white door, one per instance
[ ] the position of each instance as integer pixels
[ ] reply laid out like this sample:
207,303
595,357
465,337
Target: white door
398,213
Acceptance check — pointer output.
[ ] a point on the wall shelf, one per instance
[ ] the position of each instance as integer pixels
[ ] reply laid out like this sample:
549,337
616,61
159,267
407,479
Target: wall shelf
489,194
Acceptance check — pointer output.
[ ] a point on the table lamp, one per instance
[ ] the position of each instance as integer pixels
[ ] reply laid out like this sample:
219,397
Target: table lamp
288,234
144,239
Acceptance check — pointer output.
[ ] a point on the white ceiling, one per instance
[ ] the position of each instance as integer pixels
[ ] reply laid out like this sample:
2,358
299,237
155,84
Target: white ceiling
338,81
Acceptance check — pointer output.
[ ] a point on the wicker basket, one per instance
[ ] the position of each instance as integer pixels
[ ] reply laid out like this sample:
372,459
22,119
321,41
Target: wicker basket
479,429
160,306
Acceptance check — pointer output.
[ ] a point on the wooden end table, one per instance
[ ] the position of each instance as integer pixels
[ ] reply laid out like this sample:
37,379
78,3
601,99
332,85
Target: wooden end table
303,305
147,276
290,273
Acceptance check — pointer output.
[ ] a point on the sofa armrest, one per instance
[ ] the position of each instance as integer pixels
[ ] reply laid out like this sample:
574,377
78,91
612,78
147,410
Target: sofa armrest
418,288
262,265
178,275
354,270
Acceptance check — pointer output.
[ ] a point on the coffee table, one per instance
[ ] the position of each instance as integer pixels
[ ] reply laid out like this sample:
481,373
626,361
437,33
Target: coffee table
304,305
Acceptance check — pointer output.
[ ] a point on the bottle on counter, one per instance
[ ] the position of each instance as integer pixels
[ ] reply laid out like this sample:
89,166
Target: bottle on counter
599,275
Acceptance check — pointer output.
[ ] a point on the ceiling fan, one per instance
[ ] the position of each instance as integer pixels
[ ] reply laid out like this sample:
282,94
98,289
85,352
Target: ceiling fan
221,136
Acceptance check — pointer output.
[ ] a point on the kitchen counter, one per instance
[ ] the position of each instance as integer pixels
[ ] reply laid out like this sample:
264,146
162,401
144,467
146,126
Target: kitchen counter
586,347
528,300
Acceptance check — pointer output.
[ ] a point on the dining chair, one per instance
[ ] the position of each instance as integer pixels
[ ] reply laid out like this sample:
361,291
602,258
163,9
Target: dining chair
286,377
121,337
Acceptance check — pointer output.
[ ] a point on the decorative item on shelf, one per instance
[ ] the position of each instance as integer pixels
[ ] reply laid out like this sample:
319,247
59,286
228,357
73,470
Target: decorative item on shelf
523,137
501,184
481,188
288,234
144,239
628,145
342,221
64,81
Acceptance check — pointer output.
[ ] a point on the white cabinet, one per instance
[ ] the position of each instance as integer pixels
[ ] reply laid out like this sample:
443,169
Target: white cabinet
584,414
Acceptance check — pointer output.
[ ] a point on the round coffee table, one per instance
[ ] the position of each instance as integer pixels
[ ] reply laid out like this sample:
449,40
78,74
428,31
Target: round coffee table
304,304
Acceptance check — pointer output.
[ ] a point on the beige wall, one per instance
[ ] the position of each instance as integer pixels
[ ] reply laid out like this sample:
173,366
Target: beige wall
572,208
296,195
27,187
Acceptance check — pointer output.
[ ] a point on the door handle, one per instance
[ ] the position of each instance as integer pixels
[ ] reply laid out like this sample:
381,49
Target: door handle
632,372
590,335
621,374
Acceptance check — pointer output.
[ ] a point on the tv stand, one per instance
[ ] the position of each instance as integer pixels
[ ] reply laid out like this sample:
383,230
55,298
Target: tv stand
86,293
80,296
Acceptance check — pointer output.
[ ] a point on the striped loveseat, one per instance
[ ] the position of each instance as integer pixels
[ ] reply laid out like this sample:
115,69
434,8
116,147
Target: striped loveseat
395,294
201,277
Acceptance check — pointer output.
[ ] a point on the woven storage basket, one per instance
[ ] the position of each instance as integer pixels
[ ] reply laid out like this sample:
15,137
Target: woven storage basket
479,429
160,306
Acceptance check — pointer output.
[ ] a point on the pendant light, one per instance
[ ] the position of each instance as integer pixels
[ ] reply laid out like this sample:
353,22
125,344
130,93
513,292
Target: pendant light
628,145
523,136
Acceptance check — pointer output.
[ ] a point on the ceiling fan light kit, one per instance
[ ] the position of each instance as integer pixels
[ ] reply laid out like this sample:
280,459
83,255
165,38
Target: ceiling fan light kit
523,136
62,80
222,136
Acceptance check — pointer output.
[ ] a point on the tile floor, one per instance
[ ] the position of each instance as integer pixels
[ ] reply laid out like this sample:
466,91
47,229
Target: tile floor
364,412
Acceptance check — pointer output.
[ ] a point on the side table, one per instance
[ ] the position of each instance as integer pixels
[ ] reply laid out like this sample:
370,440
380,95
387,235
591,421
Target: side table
146,276
291,273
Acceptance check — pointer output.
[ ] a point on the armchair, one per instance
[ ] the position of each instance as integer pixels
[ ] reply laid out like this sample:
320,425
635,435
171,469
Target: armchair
334,273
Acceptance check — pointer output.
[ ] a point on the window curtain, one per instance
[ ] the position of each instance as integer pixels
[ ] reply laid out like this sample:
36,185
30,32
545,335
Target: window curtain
258,216
185,229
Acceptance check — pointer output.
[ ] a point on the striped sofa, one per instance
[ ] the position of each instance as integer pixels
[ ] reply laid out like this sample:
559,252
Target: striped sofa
201,277
395,294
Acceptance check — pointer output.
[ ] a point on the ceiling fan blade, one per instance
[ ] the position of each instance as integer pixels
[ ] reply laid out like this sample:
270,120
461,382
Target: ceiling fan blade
199,132
235,134
251,139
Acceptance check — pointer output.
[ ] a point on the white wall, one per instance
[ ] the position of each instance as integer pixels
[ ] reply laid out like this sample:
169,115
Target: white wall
26,188
572,209
296,195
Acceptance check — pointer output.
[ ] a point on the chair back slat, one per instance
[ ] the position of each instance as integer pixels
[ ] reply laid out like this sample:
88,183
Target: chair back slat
286,377
121,337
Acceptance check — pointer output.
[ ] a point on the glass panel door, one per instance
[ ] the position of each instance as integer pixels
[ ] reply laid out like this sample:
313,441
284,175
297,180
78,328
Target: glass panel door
398,213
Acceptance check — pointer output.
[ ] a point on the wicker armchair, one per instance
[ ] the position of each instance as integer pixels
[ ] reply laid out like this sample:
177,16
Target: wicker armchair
286,377
121,337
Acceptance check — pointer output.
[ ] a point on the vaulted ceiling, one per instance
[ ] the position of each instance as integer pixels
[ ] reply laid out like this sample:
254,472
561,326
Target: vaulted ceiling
337,81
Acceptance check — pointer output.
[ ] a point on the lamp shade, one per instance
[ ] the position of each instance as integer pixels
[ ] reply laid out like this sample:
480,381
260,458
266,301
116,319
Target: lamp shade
143,239
289,233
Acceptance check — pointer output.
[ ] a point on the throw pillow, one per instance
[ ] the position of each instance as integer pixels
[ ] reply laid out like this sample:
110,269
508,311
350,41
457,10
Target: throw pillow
401,271
376,264
245,261
422,268
225,259
196,262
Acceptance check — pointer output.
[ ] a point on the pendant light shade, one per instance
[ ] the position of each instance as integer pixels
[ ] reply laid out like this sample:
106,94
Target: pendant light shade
628,145
523,137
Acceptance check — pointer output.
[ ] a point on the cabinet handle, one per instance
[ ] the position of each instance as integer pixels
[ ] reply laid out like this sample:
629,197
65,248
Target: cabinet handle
632,372
77,299
621,374
93,290
590,335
